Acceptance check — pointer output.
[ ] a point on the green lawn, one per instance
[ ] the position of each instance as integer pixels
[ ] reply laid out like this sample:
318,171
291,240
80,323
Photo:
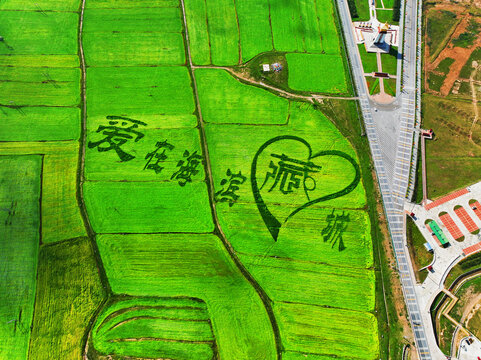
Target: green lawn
385,16
369,60
468,264
362,8
389,61
388,4
390,86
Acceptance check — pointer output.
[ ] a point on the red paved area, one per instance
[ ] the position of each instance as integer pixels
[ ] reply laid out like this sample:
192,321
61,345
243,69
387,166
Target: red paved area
434,236
472,249
477,205
451,226
445,199
466,219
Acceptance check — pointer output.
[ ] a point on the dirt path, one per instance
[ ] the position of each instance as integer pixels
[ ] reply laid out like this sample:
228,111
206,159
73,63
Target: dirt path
292,96
379,69
80,180
475,101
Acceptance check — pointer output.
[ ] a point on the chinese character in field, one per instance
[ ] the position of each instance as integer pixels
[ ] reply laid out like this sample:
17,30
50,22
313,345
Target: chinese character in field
187,167
288,173
11,213
336,225
117,133
159,156
230,186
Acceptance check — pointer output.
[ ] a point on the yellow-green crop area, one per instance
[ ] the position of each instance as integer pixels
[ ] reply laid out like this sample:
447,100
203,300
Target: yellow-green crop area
19,239
154,205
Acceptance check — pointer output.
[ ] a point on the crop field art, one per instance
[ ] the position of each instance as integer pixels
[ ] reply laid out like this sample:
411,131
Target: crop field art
163,196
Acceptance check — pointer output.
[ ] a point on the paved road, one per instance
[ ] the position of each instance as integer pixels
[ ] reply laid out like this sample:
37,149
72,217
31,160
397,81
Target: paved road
390,130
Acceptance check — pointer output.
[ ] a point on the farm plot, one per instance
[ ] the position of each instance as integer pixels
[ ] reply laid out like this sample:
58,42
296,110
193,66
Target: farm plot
160,94
298,235
331,332
106,166
190,265
146,207
128,4
254,27
313,283
39,74
305,234
135,36
178,328
40,5
40,87
316,72
214,32
60,212
33,33
231,32
66,271
158,161
223,99
287,188
304,26
19,241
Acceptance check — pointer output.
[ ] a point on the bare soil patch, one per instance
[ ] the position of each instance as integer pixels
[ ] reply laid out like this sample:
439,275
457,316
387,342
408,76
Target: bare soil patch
459,54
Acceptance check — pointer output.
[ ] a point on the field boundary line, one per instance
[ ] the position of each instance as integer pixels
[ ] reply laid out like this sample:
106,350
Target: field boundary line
267,302
80,180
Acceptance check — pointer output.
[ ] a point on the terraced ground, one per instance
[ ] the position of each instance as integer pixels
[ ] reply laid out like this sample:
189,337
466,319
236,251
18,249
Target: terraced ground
183,213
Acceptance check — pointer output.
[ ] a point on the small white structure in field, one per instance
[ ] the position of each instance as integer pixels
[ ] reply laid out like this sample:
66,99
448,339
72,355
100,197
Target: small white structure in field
266,68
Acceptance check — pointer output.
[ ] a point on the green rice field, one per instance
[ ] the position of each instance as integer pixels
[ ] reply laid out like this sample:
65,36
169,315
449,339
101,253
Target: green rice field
316,72
19,239
157,202
178,327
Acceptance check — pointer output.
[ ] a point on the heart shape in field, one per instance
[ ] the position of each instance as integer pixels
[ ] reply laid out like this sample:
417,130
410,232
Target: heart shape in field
293,165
